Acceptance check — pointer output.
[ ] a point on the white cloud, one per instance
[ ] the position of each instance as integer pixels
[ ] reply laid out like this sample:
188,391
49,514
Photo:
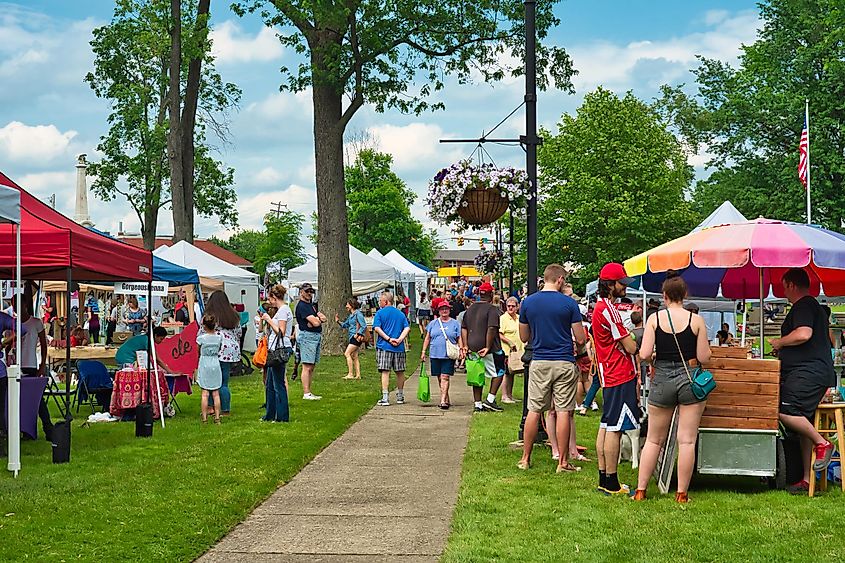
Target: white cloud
253,208
414,145
268,177
231,45
44,184
616,66
20,142
283,104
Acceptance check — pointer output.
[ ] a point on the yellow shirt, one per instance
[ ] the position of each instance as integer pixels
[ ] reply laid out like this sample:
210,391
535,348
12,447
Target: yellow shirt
509,327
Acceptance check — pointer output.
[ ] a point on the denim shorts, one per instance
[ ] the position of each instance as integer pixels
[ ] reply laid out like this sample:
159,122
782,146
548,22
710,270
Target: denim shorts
442,366
309,347
670,386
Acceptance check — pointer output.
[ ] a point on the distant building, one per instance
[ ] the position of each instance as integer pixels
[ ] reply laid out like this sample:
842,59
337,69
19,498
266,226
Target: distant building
206,245
456,263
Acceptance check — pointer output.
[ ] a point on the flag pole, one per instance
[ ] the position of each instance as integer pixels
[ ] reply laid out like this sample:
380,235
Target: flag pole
807,120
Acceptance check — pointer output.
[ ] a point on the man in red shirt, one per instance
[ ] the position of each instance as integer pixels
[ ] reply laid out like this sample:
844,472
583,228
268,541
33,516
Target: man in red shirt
615,348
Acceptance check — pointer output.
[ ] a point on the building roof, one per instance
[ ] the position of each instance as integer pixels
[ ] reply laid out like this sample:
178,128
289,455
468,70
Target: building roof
204,245
467,255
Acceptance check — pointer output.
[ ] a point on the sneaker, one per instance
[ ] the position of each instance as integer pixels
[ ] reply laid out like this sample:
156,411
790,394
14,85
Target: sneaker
581,409
800,488
824,452
487,405
594,406
383,403
477,408
639,495
400,399
311,397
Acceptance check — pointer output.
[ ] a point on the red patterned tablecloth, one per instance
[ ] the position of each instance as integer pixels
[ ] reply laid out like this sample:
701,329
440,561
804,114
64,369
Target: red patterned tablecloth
130,386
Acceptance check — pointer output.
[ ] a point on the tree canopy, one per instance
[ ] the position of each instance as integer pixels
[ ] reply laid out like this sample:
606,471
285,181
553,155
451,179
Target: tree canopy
750,118
131,70
612,184
378,210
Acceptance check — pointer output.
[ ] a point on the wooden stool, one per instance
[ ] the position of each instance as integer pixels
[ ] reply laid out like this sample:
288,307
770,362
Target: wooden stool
830,420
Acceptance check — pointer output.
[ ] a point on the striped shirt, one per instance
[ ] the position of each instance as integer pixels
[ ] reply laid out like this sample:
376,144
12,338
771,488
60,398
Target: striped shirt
615,365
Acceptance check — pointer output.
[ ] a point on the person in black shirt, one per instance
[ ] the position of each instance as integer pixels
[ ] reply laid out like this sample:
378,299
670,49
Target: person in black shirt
806,370
310,323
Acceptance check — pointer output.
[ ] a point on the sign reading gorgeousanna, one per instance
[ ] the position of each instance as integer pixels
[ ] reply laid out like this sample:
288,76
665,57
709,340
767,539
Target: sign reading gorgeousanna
140,288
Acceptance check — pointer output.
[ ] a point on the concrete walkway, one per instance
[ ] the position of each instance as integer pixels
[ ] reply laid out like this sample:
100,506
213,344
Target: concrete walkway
384,491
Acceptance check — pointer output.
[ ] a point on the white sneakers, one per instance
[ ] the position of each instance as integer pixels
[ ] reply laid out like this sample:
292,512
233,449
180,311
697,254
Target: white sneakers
311,397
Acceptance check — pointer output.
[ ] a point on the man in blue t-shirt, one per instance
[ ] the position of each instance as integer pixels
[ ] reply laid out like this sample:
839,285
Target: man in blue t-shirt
549,320
391,326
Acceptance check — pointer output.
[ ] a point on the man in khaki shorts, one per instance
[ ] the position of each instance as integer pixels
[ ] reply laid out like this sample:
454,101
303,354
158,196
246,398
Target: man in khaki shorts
550,320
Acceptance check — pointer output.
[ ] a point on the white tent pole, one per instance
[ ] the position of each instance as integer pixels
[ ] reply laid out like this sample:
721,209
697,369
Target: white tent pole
14,372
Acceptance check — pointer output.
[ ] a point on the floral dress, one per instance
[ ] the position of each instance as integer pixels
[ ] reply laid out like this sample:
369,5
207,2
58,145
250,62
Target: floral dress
230,347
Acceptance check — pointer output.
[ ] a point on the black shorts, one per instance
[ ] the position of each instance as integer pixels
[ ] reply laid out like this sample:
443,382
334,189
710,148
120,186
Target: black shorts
621,407
801,392
354,342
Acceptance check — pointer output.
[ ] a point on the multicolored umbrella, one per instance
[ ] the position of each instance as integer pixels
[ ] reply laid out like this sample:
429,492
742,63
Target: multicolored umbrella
746,260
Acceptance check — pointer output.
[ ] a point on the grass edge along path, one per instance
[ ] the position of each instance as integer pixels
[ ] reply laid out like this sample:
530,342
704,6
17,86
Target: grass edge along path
504,514
175,495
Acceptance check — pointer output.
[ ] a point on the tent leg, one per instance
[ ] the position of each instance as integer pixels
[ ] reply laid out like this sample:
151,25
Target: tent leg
67,346
762,326
13,375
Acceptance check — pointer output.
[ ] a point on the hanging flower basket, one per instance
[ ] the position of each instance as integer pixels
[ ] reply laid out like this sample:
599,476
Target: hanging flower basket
489,261
464,195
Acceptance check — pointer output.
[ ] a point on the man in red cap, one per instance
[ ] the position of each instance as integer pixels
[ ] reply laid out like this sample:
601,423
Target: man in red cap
480,333
615,348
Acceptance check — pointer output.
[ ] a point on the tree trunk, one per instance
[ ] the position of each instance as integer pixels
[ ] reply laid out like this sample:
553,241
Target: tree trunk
174,103
185,229
149,227
334,277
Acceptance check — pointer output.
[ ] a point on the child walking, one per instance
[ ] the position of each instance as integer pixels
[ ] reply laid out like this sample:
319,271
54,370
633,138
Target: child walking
209,374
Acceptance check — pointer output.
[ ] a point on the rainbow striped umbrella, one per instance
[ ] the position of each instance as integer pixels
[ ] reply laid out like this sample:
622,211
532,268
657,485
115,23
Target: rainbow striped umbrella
746,260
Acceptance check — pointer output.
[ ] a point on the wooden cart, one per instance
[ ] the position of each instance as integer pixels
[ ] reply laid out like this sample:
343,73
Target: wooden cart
739,429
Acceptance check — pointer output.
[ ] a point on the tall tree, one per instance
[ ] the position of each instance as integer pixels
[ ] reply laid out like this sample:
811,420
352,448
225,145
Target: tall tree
378,210
750,117
132,70
371,51
613,182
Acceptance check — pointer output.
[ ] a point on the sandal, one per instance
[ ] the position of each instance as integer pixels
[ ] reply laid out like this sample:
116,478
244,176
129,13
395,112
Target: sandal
580,457
568,468
444,406
349,376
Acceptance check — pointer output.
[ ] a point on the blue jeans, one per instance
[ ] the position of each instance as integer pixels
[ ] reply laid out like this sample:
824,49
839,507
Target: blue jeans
592,392
225,393
276,395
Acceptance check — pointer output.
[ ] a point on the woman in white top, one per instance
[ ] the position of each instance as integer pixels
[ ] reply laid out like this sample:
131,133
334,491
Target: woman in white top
280,327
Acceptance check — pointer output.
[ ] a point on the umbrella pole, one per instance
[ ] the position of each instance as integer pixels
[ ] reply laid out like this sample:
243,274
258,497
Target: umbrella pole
762,326
744,322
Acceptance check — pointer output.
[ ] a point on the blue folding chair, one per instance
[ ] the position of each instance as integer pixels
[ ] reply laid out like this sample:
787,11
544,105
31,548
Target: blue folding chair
94,383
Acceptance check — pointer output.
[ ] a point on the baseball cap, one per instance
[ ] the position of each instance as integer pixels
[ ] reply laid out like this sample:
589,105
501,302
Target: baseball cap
614,271
486,287
439,303
306,288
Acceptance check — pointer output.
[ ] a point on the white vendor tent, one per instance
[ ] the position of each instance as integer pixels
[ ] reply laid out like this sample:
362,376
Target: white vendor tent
418,275
369,274
241,286
725,214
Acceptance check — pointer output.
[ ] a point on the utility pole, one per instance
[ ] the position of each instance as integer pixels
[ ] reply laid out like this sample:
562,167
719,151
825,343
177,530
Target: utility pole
277,212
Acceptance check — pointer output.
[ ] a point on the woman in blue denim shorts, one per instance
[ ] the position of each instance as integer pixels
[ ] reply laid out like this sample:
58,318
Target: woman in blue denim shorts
438,332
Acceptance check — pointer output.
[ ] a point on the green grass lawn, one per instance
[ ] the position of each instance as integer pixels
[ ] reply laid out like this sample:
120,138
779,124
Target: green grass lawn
170,497
504,514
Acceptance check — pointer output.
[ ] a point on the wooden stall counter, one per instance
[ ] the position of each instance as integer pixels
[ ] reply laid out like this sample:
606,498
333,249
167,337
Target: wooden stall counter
747,391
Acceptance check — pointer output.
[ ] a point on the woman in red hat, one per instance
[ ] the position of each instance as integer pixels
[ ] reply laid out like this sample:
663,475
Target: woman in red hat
439,332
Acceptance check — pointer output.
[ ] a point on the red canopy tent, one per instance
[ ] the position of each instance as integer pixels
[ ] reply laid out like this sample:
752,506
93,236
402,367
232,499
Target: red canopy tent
54,247
52,244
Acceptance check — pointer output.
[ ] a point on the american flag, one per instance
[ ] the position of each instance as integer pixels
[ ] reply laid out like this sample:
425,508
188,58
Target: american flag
803,150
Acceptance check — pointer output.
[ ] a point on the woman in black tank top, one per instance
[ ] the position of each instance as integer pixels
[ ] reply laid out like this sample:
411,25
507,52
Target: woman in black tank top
673,338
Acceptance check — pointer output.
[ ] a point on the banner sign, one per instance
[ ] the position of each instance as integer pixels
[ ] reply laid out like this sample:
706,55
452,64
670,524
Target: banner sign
8,288
179,353
140,288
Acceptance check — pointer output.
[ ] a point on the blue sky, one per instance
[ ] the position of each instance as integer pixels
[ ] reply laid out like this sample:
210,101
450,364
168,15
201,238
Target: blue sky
48,115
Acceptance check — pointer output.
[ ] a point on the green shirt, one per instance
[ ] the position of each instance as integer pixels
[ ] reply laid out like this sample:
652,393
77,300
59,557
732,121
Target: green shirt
126,353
